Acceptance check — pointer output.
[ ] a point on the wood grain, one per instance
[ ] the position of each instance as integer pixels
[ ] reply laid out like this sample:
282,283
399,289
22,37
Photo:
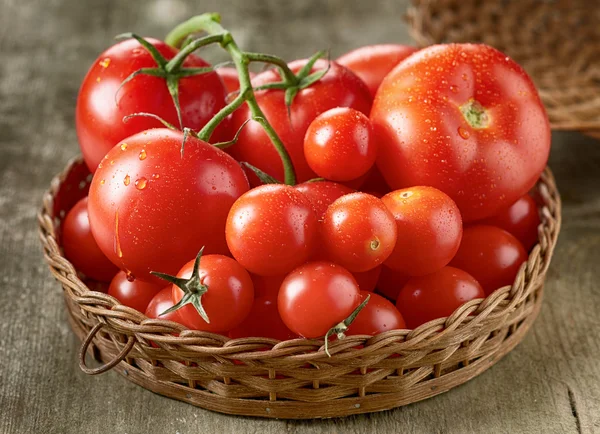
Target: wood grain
548,384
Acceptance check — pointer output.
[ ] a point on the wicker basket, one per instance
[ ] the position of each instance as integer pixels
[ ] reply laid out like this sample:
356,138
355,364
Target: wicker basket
296,379
557,42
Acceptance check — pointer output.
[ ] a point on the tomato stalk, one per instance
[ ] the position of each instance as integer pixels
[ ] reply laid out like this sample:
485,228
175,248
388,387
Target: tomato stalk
340,328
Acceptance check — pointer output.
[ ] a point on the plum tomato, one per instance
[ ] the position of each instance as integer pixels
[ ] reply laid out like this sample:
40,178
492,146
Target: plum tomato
271,229
463,118
132,292
429,230
317,296
373,62
81,248
161,302
263,321
230,78
379,315
152,208
266,286
358,232
339,144
390,282
339,87
436,295
101,105
521,219
367,280
321,194
491,255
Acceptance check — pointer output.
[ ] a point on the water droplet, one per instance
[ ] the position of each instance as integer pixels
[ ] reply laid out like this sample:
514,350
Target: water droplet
102,182
123,146
464,77
156,176
129,275
141,183
464,133
100,166
105,62
453,88
143,154
127,180
112,162
117,239
98,79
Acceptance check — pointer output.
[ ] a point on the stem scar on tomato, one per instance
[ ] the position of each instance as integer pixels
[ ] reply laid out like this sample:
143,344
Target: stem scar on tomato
475,114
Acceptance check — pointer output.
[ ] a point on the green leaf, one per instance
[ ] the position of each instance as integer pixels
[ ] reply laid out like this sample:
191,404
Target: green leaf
158,58
264,177
173,86
313,78
309,65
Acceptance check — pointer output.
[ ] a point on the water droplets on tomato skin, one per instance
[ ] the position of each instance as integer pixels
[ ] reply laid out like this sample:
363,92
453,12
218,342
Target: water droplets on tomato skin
143,154
105,62
127,180
141,183
102,182
464,133
123,146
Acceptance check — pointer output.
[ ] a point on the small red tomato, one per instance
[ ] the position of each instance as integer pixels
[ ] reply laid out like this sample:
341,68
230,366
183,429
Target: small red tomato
266,286
367,280
491,255
429,230
263,321
81,248
391,282
339,144
134,293
436,295
230,78
379,315
271,229
321,194
373,62
358,232
162,301
317,296
375,183
521,219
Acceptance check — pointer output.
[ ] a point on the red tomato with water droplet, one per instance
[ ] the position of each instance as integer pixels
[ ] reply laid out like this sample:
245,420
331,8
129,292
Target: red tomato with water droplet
263,321
321,194
131,292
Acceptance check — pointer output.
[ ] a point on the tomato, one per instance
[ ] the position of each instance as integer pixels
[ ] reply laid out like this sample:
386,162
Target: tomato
224,290
391,282
379,315
358,232
367,280
521,219
230,78
337,88
375,183
317,296
491,255
321,194
263,321
266,286
97,286
131,292
271,229
339,144
80,247
429,230
463,118
436,295
152,209
100,108
160,303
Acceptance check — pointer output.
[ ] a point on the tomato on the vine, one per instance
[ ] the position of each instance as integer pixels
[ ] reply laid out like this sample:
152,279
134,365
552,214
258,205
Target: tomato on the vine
367,280
263,321
131,292
321,194
379,315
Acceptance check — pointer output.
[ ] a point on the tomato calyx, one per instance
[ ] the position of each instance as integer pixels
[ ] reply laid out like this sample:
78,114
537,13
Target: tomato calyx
340,328
264,177
193,289
475,114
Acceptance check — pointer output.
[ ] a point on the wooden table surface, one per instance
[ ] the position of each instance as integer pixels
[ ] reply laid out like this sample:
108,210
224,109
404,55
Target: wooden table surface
548,384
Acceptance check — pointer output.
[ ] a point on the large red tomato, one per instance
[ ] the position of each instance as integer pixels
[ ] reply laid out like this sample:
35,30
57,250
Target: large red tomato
100,108
339,87
465,119
152,209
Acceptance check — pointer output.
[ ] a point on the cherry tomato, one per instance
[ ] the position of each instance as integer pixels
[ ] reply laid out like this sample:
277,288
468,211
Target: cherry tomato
228,297
463,118
101,108
391,282
373,62
271,229
317,296
266,286
521,219
436,295
375,183
337,88
367,280
152,209
429,230
263,321
339,144
230,78
321,194
80,247
162,301
131,292
379,315
359,232
491,255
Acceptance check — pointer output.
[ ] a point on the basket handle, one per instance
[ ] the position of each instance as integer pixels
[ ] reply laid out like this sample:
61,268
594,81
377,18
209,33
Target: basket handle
108,366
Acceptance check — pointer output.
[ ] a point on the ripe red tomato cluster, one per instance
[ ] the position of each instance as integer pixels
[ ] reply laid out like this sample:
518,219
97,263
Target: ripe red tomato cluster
414,169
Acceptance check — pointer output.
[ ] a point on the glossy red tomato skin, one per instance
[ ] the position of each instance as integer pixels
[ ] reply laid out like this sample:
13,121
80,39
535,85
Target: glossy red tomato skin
134,293
390,282
436,295
491,255
378,316
81,248
358,232
338,88
429,230
315,297
152,210
271,229
339,144
266,286
100,108
521,219
162,301
263,321
375,183
228,300
367,280
425,139
372,63
321,194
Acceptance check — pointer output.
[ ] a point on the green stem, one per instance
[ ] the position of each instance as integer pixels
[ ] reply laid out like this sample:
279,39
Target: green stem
286,73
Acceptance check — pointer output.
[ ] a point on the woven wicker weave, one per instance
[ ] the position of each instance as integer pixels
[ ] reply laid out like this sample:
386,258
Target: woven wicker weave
296,379
557,42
